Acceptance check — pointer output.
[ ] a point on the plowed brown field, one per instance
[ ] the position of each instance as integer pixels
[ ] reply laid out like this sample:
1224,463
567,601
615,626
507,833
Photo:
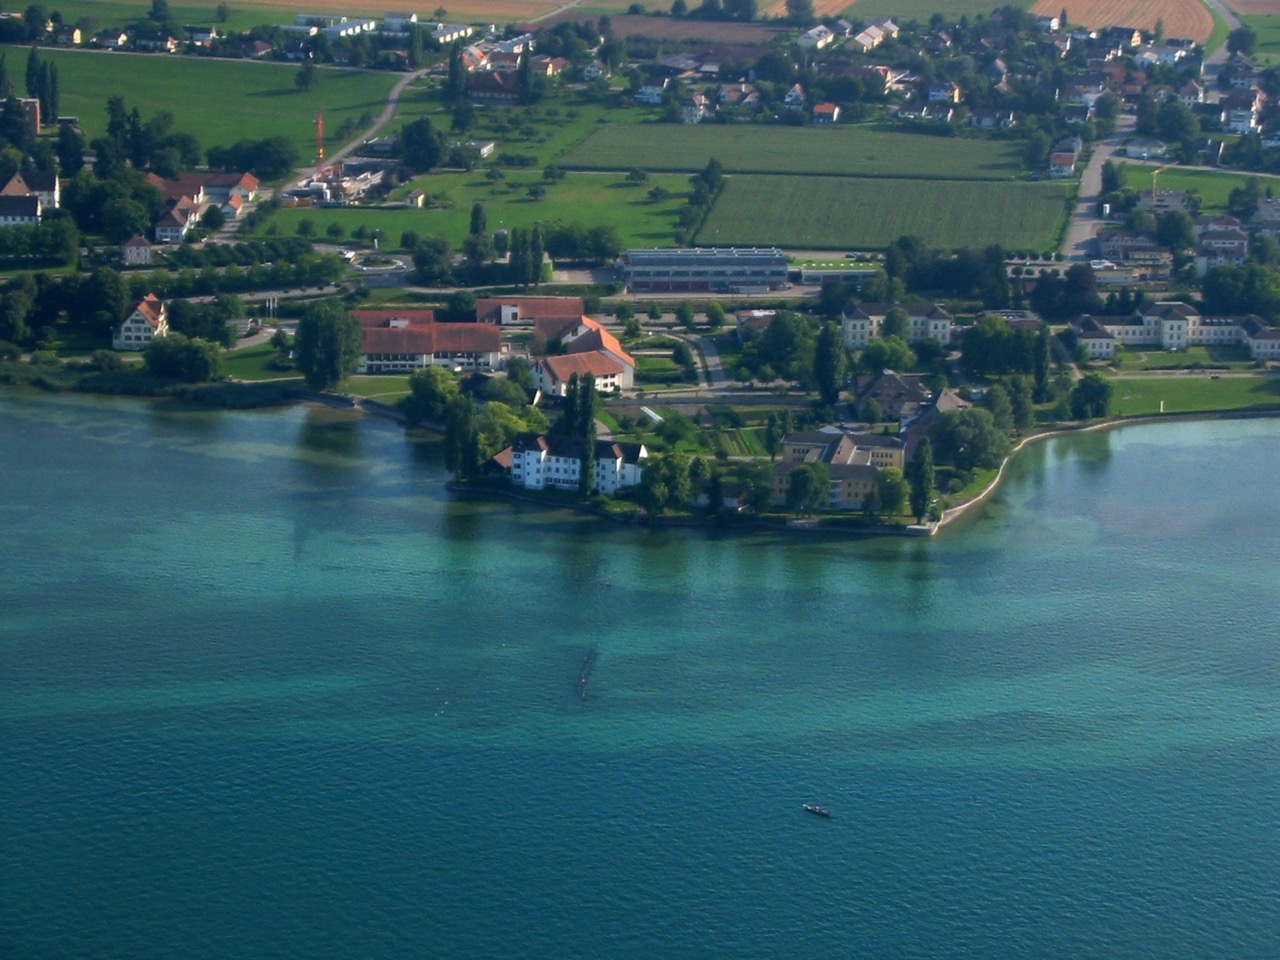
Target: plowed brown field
1186,19
822,9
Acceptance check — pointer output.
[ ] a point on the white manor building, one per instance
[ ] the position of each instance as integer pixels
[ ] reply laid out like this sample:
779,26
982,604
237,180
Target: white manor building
1171,325
925,321
539,462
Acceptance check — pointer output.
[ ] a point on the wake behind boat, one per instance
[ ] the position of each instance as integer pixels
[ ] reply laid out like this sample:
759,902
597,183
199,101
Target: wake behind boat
817,810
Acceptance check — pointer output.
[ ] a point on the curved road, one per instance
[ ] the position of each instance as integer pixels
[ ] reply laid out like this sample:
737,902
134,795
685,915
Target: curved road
388,111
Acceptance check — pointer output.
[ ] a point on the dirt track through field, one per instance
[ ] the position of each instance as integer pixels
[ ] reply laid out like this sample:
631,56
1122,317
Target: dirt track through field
1185,19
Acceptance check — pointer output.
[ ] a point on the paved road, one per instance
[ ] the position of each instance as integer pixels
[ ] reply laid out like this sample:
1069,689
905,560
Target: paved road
1085,223
1215,59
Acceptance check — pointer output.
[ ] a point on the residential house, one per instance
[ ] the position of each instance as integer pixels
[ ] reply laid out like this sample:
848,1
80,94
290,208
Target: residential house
144,320
945,93
752,320
136,252
69,37
651,94
41,183
515,311
937,113
1242,110
176,222
865,322
493,86
111,39
826,113
738,96
696,108
992,118
900,397
795,98
21,211
594,71
1062,164
816,38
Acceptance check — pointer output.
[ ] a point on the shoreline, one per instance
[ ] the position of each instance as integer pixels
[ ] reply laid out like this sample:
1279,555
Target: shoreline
725,522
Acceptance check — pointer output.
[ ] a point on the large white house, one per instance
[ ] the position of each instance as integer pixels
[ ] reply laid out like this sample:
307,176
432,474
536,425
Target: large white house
539,462
1170,325
146,320
865,322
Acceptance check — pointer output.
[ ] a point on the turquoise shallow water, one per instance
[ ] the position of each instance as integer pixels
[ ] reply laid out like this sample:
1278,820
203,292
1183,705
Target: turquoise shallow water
266,691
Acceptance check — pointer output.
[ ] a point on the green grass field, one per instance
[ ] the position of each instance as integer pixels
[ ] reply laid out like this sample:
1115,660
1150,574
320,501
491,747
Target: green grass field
263,99
1268,31
255,363
1193,394
1136,359
833,212
585,198
752,148
109,13
1212,185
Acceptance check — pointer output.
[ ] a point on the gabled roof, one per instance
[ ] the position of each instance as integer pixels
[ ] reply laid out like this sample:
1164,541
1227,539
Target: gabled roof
595,363
150,308
537,309
431,338
598,338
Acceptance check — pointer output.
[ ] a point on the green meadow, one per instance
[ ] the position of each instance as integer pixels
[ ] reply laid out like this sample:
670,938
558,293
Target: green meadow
219,101
108,13
585,198
1268,32
1213,186
841,150
848,213
1193,394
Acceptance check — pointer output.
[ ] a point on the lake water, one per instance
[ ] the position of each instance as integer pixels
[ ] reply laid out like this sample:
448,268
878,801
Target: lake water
267,691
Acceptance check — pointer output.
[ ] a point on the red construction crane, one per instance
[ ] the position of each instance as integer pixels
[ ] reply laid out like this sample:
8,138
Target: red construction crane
319,139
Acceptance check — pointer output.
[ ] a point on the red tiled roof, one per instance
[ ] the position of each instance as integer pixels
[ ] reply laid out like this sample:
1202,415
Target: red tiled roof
432,338
488,309
598,338
150,307
595,363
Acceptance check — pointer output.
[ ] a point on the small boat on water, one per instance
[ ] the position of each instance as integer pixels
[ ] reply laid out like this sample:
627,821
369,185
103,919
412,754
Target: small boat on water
817,810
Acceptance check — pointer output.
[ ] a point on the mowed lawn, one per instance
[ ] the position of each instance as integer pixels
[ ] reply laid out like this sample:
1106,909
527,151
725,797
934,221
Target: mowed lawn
1192,394
755,148
1213,186
586,198
830,212
219,101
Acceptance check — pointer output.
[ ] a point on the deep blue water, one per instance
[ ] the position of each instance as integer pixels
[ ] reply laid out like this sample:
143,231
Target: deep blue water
266,691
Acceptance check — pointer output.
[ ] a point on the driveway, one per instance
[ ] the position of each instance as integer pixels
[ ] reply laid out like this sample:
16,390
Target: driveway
1085,222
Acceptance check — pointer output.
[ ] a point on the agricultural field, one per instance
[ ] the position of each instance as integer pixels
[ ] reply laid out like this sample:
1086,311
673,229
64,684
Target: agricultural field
1186,19
823,212
753,148
113,13
194,90
585,198
1212,185
904,11
672,28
